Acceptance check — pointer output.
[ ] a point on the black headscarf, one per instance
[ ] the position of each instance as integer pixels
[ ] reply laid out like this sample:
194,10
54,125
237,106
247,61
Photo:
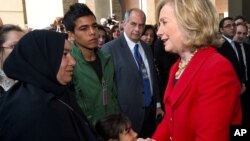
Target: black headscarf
36,60
38,107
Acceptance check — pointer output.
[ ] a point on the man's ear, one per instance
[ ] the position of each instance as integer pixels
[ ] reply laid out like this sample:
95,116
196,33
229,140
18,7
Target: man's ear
71,36
220,30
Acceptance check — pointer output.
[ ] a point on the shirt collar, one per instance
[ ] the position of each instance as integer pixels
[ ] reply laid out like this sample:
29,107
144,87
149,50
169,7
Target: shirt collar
130,43
229,40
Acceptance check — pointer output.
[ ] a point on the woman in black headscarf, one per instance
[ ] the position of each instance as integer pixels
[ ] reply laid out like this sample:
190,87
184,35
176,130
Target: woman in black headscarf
40,107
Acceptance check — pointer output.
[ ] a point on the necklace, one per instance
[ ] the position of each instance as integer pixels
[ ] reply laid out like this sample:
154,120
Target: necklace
182,65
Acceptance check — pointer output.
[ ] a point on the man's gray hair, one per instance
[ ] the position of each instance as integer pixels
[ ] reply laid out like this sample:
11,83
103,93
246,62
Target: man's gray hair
128,13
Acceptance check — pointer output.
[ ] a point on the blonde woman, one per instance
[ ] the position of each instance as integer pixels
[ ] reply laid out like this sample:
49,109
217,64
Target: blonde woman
202,98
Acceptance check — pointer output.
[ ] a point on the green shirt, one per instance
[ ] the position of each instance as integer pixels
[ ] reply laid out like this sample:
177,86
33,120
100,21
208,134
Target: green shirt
90,95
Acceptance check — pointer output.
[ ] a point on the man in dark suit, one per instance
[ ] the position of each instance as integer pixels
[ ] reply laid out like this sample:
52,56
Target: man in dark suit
163,61
131,90
235,54
241,33
227,28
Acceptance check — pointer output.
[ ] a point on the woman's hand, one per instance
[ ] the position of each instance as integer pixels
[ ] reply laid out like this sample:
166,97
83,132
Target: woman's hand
147,139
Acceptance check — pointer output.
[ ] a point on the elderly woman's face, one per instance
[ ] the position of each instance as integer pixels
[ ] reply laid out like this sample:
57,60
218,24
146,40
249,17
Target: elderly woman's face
169,31
65,71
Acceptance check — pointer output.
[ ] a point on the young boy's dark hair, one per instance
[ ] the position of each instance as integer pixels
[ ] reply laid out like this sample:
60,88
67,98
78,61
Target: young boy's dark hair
75,11
111,126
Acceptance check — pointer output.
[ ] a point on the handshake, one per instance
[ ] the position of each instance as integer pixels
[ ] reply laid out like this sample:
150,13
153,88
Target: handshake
147,139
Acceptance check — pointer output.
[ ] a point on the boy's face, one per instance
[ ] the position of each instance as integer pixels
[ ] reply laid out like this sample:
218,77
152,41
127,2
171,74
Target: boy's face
86,32
128,135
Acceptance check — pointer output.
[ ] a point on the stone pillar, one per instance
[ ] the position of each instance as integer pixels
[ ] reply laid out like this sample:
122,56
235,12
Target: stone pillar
151,10
102,9
234,8
123,9
246,10
117,9
67,3
239,7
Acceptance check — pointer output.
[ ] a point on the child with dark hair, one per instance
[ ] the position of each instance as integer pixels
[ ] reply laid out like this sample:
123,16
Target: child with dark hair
117,127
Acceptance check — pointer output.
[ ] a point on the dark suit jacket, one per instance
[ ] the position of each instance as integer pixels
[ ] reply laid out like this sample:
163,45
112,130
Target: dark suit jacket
245,97
130,88
227,51
247,53
163,61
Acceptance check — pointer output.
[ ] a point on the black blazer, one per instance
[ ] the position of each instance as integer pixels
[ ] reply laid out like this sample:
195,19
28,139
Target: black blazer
247,53
227,51
245,97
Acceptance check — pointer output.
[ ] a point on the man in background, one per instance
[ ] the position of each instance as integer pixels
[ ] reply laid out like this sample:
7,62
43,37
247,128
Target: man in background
137,90
241,33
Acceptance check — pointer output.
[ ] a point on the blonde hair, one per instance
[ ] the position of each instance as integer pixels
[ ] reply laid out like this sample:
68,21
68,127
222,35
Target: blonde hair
199,20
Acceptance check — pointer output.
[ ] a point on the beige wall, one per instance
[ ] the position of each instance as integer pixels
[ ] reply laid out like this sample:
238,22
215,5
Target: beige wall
131,4
221,6
91,4
151,9
11,11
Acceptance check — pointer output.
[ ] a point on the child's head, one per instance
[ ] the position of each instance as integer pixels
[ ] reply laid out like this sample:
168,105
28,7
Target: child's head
116,127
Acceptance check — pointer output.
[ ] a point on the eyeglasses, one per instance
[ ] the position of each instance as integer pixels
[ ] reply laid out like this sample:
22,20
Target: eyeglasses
229,26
